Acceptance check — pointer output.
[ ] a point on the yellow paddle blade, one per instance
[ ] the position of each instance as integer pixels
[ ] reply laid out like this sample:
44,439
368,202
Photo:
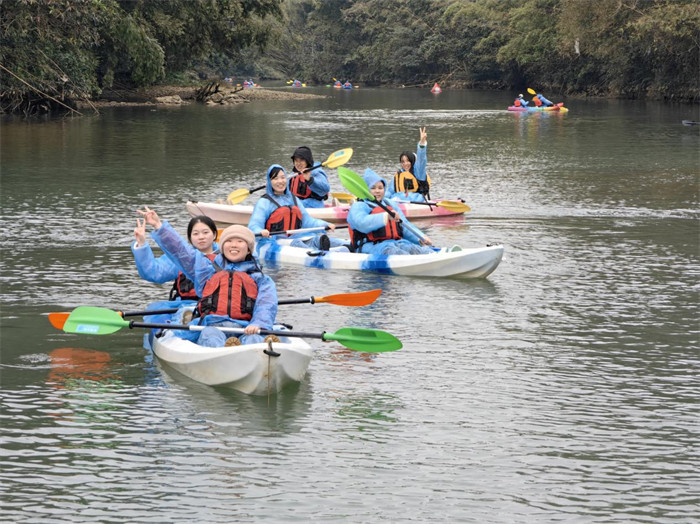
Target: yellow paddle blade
237,196
344,198
338,158
454,205
531,91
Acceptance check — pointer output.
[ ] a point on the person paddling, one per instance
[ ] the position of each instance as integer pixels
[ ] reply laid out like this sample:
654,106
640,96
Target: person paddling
540,101
233,289
279,210
309,184
411,182
520,101
374,231
201,233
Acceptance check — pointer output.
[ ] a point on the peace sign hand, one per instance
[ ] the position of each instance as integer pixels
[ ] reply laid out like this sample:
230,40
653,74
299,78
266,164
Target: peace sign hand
423,136
150,217
140,232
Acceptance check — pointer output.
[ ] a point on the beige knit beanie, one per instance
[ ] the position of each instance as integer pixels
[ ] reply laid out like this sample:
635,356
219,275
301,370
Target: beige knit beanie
238,231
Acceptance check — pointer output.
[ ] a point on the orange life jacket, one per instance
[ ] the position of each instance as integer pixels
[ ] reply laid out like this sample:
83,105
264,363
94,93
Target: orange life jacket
299,187
517,102
391,231
229,293
283,218
405,181
183,287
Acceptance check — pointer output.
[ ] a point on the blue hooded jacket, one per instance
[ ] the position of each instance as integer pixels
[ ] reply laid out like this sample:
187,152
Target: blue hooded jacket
264,208
419,170
157,270
198,268
544,101
360,217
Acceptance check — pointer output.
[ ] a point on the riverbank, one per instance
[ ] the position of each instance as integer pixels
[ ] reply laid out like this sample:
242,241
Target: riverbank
177,95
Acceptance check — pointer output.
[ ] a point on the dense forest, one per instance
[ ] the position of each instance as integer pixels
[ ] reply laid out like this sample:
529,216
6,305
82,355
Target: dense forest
54,52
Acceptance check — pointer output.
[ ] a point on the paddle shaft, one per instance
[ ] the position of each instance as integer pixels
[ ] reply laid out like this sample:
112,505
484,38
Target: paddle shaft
304,230
186,327
398,219
285,302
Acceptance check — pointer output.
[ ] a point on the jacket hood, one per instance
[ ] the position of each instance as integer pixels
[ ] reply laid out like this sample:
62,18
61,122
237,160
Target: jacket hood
371,178
269,190
304,153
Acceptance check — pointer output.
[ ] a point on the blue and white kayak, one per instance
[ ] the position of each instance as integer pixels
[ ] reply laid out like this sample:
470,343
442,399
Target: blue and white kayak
453,262
249,368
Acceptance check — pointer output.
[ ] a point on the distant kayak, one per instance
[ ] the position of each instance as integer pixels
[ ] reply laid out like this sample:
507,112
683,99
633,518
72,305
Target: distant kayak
690,123
521,109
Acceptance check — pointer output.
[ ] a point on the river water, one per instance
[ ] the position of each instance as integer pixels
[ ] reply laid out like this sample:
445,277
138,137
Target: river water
565,387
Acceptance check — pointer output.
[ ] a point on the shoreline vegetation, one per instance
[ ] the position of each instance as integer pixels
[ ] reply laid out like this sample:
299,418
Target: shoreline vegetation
55,53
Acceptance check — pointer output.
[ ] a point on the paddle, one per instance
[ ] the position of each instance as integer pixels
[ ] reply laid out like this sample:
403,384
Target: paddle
239,195
531,91
291,232
359,299
337,158
450,205
354,183
345,198
100,321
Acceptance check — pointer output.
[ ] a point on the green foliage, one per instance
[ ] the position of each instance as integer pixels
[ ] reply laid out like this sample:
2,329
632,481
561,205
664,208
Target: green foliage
61,50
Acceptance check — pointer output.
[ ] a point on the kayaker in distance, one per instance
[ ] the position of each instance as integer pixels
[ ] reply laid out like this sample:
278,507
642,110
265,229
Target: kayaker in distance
233,289
374,231
279,210
411,182
540,101
201,233
520,101
310,185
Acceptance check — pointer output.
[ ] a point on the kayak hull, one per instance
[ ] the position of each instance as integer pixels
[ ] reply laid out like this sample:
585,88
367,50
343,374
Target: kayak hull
226,215
457,263
535,109
246,368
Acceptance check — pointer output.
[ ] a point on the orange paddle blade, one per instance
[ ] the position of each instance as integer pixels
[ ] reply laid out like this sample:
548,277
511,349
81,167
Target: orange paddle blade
351,299
58,319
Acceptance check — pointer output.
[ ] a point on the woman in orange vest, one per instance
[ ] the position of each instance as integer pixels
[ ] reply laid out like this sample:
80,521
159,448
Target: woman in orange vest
280,210
411,182
233,289
374,231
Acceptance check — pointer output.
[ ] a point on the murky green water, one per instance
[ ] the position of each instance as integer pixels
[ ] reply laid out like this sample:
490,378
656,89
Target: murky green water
563,388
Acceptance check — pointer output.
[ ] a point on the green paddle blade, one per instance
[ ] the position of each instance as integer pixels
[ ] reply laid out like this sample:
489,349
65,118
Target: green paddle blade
367,340
338,158
94,321
354,183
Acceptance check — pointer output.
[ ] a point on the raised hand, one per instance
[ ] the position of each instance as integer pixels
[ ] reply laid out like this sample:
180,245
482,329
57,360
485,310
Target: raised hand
150,217
423,136
140,232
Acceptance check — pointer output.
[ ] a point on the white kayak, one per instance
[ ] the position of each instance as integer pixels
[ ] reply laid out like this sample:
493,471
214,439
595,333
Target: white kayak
249,368
225,214
454,262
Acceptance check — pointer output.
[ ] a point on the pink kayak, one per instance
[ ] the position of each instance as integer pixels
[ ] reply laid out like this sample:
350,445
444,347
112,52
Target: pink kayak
225,214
